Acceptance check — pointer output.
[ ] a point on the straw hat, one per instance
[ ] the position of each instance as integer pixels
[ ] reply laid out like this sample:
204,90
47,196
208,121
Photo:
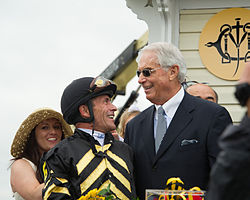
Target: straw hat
30,123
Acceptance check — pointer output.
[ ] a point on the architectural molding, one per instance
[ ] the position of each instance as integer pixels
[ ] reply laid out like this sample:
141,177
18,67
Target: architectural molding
162,16
169,12
162,19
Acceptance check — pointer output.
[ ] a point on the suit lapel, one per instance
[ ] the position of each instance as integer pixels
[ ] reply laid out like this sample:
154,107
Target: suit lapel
180,120
147,129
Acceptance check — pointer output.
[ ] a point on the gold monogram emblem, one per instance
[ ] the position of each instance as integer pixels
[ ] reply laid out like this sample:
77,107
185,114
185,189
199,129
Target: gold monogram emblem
224,44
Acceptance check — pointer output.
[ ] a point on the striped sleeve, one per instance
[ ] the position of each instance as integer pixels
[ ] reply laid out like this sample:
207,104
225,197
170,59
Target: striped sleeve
56,186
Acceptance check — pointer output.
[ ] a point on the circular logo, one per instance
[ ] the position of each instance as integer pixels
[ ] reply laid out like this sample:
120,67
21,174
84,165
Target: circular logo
224,44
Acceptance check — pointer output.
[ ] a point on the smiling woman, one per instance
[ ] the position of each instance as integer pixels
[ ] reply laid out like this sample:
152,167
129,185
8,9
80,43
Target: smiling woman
38,133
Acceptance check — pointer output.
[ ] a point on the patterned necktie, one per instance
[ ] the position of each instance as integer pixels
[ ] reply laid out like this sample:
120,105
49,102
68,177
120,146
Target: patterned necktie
160,129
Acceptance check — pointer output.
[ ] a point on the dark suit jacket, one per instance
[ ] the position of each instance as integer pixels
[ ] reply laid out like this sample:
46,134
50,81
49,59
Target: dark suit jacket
230,177
188,149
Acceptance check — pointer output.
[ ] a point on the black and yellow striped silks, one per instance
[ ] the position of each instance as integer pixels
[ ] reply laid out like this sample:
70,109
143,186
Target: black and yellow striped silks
108,165
111,165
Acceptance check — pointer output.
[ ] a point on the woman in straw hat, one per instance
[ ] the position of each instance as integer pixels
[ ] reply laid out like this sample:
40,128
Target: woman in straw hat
38,133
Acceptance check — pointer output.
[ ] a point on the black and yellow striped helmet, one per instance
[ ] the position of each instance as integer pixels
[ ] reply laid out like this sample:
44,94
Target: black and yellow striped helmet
174,184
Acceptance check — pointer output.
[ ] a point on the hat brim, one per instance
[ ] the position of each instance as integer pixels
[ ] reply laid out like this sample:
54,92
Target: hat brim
23,133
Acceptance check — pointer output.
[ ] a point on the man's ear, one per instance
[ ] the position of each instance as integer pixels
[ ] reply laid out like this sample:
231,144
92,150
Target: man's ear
173,72
84,111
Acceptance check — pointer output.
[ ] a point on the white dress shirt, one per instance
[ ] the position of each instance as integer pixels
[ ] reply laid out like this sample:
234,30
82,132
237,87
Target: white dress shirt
170,108
99,136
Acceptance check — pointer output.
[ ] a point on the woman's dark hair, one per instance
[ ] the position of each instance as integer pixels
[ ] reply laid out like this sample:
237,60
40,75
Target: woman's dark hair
31,152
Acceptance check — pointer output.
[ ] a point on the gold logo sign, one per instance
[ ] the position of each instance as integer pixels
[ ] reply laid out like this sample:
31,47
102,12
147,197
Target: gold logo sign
224,44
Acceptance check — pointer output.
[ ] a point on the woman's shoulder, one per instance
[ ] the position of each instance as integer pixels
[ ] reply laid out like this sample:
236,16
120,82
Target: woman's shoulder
23,163
20,170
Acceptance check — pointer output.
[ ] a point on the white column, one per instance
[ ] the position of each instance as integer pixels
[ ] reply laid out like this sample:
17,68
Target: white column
161,16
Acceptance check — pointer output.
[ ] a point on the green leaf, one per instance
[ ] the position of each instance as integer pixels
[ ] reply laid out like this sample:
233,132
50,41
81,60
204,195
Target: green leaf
103,192
109,198
108,188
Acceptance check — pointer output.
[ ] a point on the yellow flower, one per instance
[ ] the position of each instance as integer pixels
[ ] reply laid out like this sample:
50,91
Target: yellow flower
92,195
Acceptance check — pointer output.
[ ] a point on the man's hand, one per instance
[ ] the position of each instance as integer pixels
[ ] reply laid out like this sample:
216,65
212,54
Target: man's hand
115,135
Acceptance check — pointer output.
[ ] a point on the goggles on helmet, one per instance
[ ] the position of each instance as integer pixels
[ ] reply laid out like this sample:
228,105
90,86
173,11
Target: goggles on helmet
99,83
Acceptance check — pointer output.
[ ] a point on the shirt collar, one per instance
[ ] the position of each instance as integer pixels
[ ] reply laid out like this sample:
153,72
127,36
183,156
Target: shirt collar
99,136
172,104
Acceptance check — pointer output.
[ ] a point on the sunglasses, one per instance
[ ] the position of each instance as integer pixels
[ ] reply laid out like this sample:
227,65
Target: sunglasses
146,72
99,83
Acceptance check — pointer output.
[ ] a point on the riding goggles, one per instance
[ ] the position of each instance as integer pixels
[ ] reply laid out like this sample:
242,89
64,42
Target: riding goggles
99,83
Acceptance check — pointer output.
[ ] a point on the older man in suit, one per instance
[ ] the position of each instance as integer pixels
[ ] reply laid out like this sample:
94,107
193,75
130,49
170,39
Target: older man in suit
182,143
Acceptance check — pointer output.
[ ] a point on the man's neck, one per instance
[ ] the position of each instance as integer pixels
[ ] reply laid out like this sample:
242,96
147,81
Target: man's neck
84,125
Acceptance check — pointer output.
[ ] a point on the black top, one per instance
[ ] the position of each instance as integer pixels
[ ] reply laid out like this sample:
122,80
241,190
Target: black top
230,176
79,164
